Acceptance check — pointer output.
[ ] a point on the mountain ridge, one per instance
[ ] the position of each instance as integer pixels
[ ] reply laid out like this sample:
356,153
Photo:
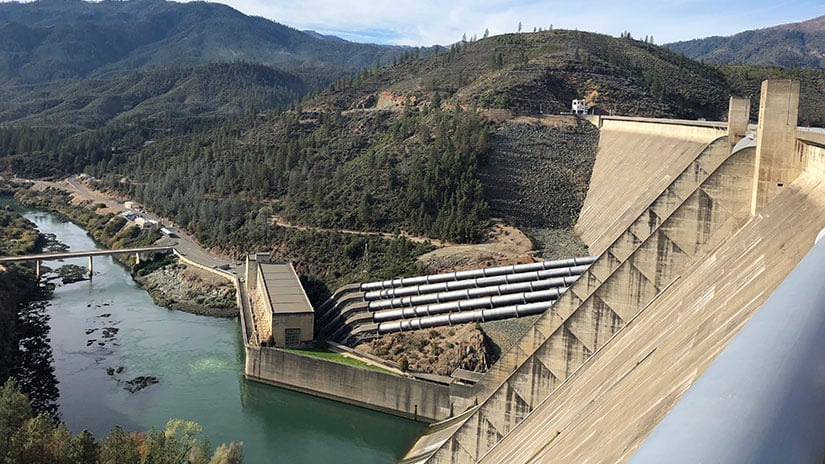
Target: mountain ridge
50,40
800,44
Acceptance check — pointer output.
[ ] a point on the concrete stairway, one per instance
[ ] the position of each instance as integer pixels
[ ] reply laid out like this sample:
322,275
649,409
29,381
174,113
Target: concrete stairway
704,202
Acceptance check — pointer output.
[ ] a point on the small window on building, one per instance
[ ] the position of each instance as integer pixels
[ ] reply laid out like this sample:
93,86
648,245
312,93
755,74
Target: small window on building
292,337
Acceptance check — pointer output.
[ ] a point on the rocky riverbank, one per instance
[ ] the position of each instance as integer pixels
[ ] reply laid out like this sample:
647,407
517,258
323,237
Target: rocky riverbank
171,285
185,288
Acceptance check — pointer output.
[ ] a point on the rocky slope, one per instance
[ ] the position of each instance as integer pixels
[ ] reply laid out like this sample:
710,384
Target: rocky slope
438,351
192,290
539,169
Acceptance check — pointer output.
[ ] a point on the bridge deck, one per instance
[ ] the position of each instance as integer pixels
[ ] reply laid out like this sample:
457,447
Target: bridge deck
80,254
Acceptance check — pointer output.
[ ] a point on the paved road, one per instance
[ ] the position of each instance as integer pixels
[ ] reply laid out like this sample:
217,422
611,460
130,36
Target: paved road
183,243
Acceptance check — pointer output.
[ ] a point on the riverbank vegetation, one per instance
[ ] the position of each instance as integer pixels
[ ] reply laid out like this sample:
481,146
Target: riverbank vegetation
27,437
169,283
24,347
29,430
109,229
324,259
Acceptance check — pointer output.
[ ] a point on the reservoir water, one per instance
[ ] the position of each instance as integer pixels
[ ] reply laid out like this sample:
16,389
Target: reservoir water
109,323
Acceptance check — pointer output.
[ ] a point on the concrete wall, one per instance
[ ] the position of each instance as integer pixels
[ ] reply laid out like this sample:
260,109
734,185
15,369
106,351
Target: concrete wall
263,298
776,133
698,131
739,111
393,394
701,206
281,322
605,411
642,157
811,156
698,209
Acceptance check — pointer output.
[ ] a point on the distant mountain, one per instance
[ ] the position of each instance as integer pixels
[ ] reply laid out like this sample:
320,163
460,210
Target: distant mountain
788,45
58,40
208,90
318,35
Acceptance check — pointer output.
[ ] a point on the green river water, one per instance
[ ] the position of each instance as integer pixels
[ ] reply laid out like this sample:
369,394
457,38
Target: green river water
199,364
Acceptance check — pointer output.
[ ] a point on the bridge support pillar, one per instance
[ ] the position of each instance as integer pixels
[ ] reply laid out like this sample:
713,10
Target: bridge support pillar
37,268
91,268
137,258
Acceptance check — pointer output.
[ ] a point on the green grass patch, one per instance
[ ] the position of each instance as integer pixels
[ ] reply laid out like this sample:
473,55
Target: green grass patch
338,358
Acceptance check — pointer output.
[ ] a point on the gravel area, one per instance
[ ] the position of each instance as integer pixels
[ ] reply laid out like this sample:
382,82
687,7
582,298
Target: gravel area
540,170
503,334
556,243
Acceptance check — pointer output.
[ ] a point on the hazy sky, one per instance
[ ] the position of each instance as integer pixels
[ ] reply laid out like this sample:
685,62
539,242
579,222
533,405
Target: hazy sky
428,22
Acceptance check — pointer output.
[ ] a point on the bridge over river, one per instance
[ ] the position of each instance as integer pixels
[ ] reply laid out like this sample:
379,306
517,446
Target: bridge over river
38,258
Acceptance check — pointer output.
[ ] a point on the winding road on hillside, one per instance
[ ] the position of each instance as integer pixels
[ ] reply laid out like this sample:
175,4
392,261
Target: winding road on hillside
504,243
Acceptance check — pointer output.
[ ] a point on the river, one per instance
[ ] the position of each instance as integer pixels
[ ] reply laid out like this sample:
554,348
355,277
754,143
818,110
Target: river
109,323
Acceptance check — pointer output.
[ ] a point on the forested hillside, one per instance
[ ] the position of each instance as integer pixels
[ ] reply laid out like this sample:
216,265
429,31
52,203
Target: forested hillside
788,45
17,236
83,65
370,171
542,72
48,40
746,80
163,95
401,148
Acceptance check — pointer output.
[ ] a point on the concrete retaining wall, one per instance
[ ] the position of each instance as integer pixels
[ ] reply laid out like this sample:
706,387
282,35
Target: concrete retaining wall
189,262
643,157
393,394
261,291
811,155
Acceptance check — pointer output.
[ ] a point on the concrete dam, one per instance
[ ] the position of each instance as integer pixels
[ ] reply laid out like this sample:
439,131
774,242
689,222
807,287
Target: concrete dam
693,225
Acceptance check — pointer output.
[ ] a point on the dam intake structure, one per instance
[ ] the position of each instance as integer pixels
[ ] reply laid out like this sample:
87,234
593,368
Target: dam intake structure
368,310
